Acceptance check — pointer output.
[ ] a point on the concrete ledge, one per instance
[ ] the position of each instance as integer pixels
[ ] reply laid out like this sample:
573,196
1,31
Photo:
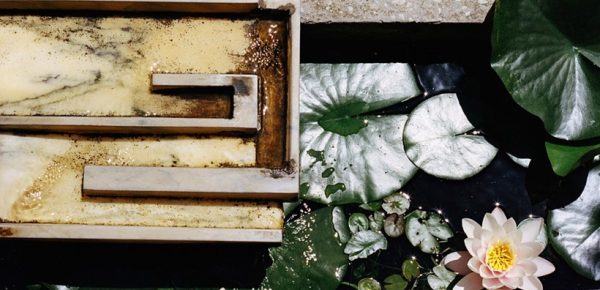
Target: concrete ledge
420,11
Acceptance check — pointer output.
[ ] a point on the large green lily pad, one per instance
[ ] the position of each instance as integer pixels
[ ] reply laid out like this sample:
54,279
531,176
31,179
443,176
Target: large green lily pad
439,139
311,255
547,53
574,231
347,156
565,158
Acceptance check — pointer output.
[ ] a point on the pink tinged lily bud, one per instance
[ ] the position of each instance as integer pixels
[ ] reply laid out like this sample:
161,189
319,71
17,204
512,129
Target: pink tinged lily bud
499,255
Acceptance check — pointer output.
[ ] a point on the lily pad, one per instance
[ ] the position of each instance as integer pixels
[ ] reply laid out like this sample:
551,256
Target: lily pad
441,278
368,284
376,221
574,231
395,282
439,139
423,229
523,162
565,158
396,203
365,243
348,156
310,257
410,269
358,222
547,53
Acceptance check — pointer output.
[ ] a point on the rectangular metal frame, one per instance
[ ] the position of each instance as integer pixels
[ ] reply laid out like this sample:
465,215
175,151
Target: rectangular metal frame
174,234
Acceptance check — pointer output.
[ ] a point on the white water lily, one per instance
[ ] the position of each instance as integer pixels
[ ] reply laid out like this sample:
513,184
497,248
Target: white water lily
500,255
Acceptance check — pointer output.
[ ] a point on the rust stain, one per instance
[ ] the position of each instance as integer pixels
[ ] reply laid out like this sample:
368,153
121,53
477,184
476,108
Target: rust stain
6,232
267,58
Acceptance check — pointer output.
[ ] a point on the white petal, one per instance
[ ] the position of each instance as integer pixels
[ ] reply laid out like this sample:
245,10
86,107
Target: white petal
535,247
493,283
526,267
531,283
469,282
513,282
472,228
499,215
485,272
510,226
457,262
531,229
516,271
490,223
474,264
544,267
472,245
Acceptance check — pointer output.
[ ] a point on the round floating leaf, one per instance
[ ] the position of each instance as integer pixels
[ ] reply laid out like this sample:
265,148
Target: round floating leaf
358,222
574,231
395,282
397,203
340,224
368,284
565,158
441,278
376,221
423,229
394,225
547,53
365,243
410,269
310,257
438,139
348,157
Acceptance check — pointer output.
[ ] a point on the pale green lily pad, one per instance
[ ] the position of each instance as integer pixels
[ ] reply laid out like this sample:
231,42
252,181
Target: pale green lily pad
397,203
365,243
358,222
438,139
395,282
441,278
348,157
410,269
423,229
574,231
376,221
368,284
310,256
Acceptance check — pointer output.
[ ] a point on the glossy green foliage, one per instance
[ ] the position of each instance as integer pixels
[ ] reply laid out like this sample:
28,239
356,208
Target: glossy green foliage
574,231
349,156
311,255
547,53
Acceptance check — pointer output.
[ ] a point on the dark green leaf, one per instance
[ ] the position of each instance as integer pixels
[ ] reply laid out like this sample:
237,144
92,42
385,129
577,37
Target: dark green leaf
546,53
438,138
574,231
410,269
310,257
395,282
565,159
347,157
358,222
365,243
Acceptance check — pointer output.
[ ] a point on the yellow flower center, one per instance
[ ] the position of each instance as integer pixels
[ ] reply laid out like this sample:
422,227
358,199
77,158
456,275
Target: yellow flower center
500,256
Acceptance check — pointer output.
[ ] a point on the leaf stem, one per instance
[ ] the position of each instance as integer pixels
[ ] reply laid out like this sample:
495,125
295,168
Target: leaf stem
349,284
